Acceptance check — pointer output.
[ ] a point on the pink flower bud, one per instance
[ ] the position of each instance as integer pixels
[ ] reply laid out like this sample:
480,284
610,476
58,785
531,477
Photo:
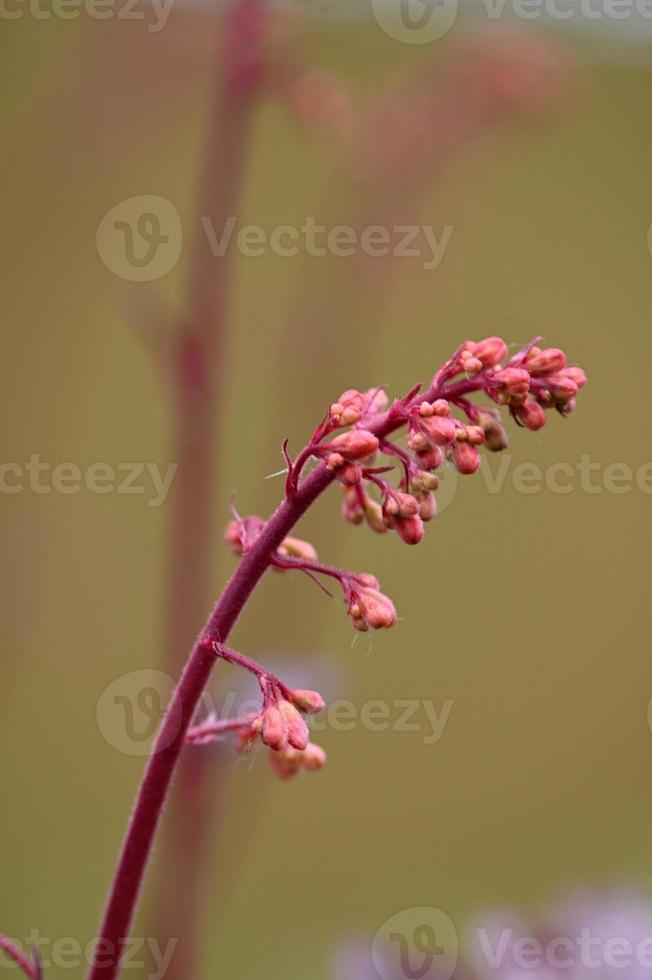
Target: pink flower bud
427,507
349,407
475,434
296,548
424,482
441,407
530,414
545,361
274,728
495,436
490,351
409,529
375,609
511,384
404,504
354,445
309,701
286,763
295,726
351,509
472,365
233,537
376,401
366,578
430,459
374,515
417,442
313,757
466,457
439,431
576,374
350,475
561,386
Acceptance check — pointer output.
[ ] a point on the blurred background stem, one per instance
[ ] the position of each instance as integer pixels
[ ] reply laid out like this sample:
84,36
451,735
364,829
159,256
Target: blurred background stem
199,375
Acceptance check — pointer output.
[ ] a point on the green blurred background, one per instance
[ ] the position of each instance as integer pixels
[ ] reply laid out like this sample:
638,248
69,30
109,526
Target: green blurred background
528,611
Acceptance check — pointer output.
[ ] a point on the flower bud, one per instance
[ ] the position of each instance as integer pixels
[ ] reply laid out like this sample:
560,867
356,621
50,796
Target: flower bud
409,529
349,407
545,361
470,363
576,374
430,459
296,548
494,433
475,434
354,445
441,407
466,457
490,351
295,726
374,514
374,608
407,505
274,728
233,537
350,475
416,441
313,757
351,509
561,386
439,431
427,507
512,385
286,763
530,414
376,401
309,701
366,578
424,482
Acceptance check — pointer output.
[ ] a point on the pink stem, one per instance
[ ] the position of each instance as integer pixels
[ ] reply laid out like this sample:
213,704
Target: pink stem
163,762
200,374
31,970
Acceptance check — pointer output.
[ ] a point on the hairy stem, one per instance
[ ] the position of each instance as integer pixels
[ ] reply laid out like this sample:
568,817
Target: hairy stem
163,762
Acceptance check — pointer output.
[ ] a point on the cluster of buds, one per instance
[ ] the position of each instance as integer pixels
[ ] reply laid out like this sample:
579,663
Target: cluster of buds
444,426
368,607
537,380
282,727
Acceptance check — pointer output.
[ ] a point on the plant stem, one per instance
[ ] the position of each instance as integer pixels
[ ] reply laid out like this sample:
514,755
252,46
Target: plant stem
163,762
158,776
199,376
